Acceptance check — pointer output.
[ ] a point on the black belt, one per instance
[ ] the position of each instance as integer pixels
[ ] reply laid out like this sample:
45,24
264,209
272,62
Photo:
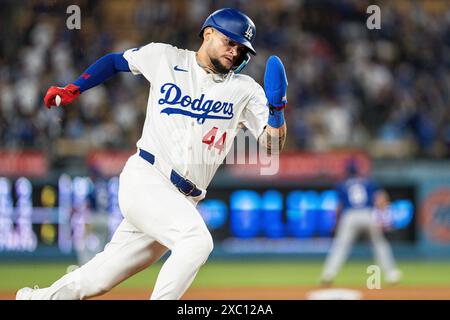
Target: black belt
185,186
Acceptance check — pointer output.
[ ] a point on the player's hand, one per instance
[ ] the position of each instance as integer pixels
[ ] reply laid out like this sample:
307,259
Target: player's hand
275,83
57,96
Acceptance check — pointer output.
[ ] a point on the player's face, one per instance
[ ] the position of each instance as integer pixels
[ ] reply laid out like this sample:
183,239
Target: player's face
224,52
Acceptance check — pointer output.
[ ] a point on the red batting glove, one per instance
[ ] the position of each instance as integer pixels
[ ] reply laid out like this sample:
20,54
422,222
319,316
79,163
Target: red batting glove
67,95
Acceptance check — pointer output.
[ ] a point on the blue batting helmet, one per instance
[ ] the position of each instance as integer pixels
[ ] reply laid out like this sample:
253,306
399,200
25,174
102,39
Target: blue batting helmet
236,26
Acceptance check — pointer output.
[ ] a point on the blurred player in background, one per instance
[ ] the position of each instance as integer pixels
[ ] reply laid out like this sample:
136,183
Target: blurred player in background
197,103
96,220
361,208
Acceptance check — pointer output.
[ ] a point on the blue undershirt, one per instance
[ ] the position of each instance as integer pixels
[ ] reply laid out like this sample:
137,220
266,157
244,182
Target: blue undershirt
101,70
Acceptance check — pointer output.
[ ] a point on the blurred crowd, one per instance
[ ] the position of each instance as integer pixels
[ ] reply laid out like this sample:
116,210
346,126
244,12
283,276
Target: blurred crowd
386,90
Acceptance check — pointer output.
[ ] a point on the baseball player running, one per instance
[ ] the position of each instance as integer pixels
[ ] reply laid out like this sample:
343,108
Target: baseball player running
197,102
358,198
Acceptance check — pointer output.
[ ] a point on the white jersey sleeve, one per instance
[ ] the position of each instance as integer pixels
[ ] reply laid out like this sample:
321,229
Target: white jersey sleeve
256,113
146,60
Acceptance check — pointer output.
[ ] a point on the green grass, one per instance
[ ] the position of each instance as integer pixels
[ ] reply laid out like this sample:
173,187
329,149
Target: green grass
232,274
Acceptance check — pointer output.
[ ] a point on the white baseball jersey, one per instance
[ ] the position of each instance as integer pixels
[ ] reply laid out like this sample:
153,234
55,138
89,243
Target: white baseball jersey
193,116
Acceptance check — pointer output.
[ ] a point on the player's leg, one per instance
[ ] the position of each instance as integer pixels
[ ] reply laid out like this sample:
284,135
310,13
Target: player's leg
346,233
188,254
181,229
150,202
128,252
383,253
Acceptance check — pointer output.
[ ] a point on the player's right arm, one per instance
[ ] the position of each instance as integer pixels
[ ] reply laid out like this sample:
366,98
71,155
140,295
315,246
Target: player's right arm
264,115
97,73
273,138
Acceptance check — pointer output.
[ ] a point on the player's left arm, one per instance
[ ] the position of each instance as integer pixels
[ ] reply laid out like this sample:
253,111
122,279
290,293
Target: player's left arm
101,70
273,137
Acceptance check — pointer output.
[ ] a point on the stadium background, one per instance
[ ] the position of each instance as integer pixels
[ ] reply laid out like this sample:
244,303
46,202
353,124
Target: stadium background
379,95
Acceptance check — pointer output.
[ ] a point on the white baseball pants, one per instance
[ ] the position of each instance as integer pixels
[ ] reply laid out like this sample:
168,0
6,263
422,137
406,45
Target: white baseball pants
157,218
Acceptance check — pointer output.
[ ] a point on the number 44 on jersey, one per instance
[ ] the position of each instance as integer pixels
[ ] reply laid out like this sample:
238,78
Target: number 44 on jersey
210,139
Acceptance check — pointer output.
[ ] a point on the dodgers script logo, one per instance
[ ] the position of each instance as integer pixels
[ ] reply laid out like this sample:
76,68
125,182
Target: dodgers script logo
198,108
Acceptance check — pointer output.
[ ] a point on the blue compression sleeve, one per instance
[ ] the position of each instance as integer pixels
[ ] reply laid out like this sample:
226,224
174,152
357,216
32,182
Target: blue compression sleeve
102,69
